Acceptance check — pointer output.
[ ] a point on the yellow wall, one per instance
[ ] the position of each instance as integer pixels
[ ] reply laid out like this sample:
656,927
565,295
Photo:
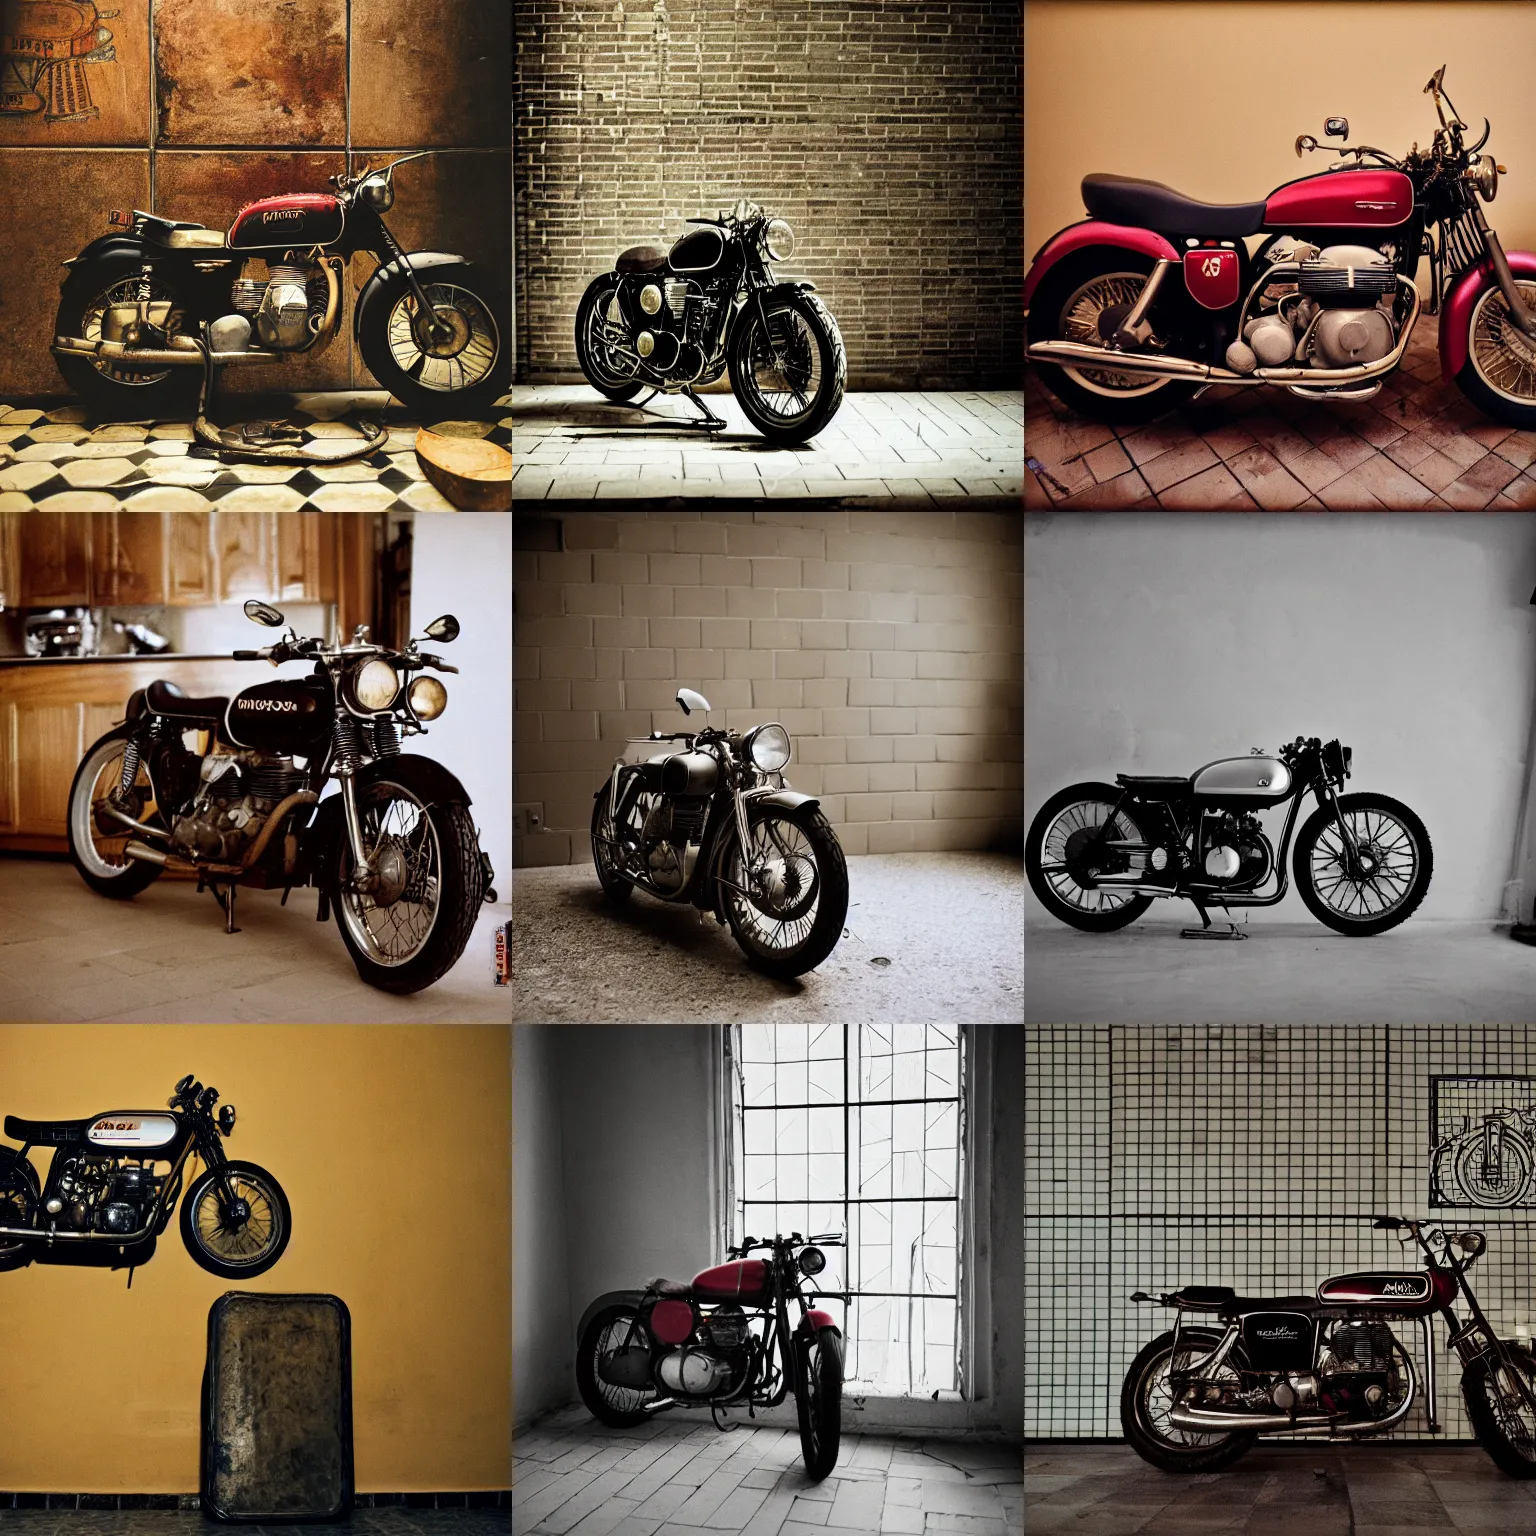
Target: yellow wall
1209,96
393,1145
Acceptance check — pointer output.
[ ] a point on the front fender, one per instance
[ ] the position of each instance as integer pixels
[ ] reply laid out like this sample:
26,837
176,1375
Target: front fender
372,295
611,1299
785,799
1094,232
1456,312
749,305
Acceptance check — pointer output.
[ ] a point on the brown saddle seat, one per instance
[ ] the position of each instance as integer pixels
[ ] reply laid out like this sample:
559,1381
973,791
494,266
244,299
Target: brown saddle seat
675,1290
641,258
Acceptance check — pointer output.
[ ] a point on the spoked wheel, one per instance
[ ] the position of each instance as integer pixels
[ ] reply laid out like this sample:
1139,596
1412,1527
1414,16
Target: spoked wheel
605,852
412,925
787,900
789,379
18,1203
1146,1401
602,340
1497,1180
603,1340
1380,883
96,840
241,1237
1504,1421
1070,845
1499,375
819,1401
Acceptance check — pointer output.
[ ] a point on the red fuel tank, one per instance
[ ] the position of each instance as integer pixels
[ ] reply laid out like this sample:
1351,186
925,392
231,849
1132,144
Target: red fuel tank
1341,200
295,219
743,1280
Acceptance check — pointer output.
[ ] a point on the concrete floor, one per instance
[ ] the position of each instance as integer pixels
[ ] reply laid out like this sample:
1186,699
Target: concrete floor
677,1476
880,449
156,1522
68,955
1284,973
1380,1490
948,924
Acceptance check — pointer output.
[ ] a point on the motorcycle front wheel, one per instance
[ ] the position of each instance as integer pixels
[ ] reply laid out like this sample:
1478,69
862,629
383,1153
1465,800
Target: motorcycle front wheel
1146,1400
790,379
819,1401
1499,375
97,841
1063,866
1402,861
597,315
617,1407
1503,1185
787,901
1502,1420
250,1242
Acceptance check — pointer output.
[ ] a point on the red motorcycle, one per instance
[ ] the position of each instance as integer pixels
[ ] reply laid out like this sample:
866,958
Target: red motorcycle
722,1340
1155,298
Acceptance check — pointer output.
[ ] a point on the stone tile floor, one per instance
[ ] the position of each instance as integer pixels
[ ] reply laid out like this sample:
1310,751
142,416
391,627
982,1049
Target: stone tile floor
1419,444
909,449
1369,1490
679,1476
53,460
157,1522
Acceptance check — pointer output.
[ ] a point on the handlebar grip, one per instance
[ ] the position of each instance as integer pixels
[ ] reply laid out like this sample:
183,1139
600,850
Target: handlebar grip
247,655
1386,1223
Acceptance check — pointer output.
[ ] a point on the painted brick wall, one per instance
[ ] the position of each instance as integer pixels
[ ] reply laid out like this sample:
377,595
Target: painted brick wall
890,646
887,133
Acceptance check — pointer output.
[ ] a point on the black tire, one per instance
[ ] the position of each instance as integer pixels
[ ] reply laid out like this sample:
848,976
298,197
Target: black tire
165,393
1401,906
819,1402
1047,314
615,886
1155,1446
389,317
1488,324
822,333
829,894
601,1407
461,888
1480,1390
201,1220
19,1198
1088,920
606,382
1469,1181
89,863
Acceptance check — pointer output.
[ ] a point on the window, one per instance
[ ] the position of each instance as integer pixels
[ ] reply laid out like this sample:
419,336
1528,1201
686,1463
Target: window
859,1129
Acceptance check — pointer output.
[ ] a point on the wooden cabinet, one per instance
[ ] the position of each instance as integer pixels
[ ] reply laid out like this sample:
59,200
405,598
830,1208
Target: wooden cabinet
298,557
128,558
188,540
54,555
244,555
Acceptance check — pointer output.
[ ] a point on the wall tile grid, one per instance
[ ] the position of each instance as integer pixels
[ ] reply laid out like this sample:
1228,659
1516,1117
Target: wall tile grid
889,645
192,108
1250,1156
888,134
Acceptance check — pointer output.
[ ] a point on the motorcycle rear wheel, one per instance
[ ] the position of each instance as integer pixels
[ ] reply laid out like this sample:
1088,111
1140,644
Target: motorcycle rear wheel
590,352
1503,1422
615,886
819,1402
1069,903
108,871
1144,1401
1368,920
604,1402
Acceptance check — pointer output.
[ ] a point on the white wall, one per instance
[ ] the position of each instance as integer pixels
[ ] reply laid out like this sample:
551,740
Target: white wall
462,564
1156,643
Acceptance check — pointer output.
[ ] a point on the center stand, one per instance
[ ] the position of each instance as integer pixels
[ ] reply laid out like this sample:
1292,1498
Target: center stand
1229,930
709,423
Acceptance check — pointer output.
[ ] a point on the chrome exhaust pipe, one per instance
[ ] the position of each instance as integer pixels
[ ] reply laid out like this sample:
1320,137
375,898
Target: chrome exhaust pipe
1205,1420
137,850
138,826
158,357
43,1235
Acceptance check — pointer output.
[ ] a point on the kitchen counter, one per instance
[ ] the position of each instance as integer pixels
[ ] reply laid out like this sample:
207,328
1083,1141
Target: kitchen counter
76,661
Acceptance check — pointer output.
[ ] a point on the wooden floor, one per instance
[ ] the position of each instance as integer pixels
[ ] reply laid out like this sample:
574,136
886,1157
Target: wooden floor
679,1476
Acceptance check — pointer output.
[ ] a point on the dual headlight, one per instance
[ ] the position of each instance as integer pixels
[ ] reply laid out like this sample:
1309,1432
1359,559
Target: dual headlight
767,748
1483,173
377,686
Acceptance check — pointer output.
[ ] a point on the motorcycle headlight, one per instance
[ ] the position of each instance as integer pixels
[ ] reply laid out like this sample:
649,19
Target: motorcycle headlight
812,1261
376,684
428,698
379,193
768,748
1483,173
779,240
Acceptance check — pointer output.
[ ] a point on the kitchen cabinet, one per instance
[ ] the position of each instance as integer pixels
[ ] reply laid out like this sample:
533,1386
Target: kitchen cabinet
244,555
54,555
128,552
188,540
298,557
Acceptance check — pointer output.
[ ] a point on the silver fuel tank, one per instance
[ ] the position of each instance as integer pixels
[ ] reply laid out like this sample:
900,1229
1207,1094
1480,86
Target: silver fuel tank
1243,781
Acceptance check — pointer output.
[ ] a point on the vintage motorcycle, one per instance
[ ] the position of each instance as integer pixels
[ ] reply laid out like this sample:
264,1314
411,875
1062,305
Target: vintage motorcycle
146,306
102,1200
671,321
1154,297
213,787
716,824
1488,1164
722,1340
1331,1368
1097,854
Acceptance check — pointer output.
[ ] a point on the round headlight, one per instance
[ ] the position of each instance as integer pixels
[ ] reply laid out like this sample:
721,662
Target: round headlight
379,193
812,1261
769,748
1483,173
779,239
428,698
376,684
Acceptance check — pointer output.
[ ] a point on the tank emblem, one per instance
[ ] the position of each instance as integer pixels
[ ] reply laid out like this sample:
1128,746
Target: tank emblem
1263,783
272,215
1399,1288
284,706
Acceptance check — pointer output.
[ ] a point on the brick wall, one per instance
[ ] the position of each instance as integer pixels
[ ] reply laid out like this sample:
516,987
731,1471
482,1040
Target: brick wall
887,133
889,645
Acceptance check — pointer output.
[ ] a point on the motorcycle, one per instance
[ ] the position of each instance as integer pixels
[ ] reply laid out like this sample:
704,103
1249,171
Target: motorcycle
1195,1399
1490,1164
717,824
1098,854
722,1340
102,1202
156,298
1154,298
673,321
211,787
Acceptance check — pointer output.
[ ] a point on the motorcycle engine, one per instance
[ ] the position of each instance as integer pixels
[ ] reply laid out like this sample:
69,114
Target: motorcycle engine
669,316
1235,850
286,307
693,1372
670,826
102,1195
238,791
1359,1376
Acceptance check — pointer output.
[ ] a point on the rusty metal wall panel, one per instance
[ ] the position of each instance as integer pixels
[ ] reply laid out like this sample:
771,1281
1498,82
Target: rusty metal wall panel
277,1408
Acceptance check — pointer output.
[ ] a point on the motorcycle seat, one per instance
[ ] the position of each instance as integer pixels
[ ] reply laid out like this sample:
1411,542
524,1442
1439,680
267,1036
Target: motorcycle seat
165,698
1241,1304
179,234
673,1290
1153,786
641,258
1151,205
1204,1298
52,1133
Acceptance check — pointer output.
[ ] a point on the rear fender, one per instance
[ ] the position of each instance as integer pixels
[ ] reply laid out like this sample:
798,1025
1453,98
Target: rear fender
1456,312
103,247
13,1166
611,1299
1075,237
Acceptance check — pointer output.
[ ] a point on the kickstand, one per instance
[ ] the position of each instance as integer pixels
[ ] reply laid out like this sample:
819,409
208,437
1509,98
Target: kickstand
227,901
710,422
1226,931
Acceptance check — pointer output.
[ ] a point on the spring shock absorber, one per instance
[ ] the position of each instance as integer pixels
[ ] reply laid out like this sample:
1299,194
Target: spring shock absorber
130,768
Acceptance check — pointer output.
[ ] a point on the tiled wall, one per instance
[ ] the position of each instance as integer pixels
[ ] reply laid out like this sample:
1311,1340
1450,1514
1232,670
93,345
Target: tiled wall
888,134
1245,1156
889,645
204,105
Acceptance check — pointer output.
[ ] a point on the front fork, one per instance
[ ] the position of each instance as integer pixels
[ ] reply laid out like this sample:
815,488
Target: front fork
1353,866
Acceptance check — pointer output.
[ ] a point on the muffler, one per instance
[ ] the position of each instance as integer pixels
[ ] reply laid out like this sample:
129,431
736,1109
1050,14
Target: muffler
158,357
1205,1421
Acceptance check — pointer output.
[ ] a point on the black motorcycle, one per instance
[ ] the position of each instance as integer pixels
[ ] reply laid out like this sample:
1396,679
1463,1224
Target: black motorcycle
105,1201
717,825
395,852
673,321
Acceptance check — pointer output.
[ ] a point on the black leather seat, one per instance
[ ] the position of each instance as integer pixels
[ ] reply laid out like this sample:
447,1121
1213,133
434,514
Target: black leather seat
1222,1298
641,258
1151,205
1153,786
672,1290
48,1133
165,698
1273,1304
1204,1297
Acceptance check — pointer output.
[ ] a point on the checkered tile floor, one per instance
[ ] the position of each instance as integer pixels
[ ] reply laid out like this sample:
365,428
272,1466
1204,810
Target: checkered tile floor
52,461
1420,443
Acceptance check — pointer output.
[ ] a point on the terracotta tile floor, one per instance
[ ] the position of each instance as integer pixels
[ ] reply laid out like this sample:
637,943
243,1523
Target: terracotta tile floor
1420,444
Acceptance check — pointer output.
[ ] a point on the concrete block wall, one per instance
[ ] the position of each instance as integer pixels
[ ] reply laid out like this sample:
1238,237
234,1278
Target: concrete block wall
886,131
889,645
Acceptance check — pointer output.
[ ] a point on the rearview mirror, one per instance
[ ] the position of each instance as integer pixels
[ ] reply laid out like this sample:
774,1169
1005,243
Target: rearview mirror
1336,128
262,613
689,701
444,629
